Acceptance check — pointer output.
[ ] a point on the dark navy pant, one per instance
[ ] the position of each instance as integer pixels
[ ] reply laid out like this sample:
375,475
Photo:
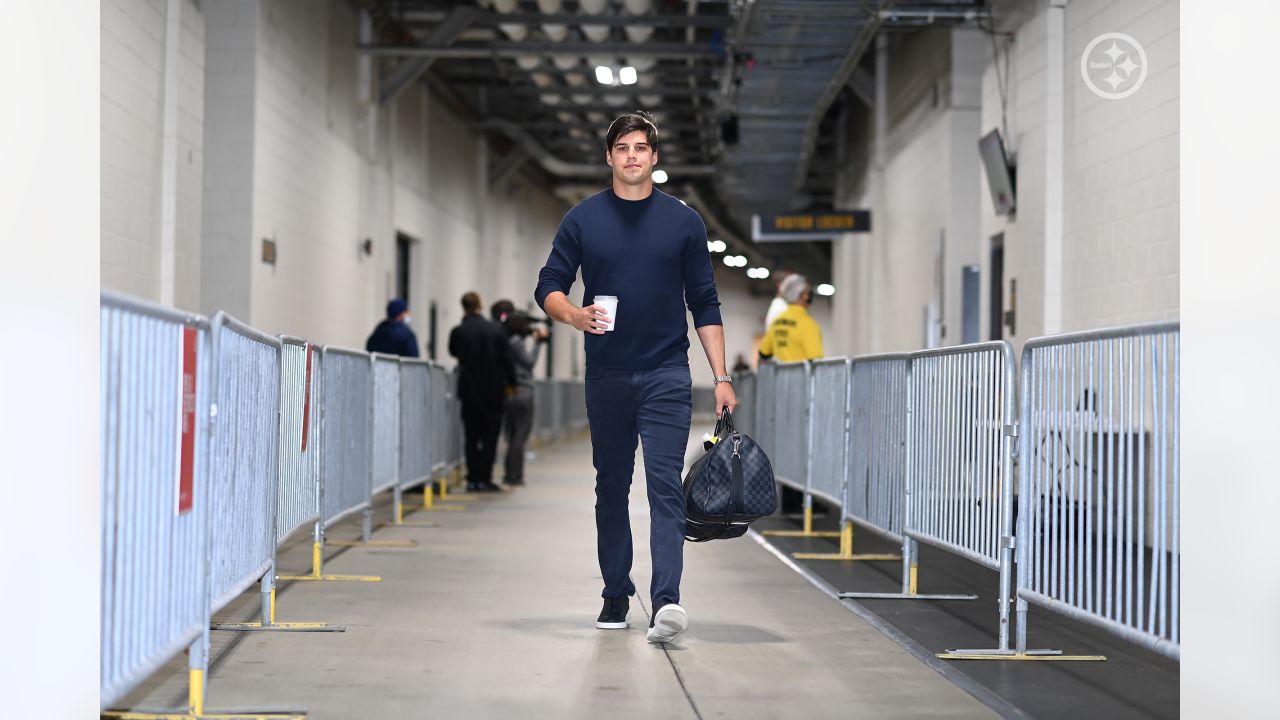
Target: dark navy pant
656,407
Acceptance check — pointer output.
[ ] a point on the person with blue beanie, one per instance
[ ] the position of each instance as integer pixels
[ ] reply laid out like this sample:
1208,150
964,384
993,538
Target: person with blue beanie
393,336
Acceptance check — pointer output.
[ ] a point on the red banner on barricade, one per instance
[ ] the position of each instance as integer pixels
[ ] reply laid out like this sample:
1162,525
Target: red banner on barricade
306,399
187,441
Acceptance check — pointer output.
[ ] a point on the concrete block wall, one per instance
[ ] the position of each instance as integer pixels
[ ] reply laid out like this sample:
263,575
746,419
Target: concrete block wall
152,87
1119,256
1120,263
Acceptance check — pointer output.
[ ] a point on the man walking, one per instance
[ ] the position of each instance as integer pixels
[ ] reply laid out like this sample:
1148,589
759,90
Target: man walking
393,336
644,253
484,372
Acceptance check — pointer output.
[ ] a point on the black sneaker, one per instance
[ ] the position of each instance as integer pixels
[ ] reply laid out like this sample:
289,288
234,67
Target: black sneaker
613,616
484,486
515,482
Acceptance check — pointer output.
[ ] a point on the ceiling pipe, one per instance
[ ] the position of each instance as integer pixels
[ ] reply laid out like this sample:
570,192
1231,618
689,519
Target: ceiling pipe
560,168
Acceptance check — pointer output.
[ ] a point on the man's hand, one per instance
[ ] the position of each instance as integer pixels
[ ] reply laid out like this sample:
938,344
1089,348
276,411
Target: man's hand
590,319
725,397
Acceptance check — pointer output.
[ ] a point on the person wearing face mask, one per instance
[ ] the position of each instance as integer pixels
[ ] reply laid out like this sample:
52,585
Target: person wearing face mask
393,336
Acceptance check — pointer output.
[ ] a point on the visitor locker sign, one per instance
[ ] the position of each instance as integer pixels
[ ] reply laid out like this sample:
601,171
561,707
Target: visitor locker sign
187,429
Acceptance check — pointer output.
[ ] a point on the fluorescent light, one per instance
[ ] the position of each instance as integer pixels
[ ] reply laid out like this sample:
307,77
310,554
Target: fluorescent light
759,272
604,75
659,176
826,289
627,75
729,260
717,246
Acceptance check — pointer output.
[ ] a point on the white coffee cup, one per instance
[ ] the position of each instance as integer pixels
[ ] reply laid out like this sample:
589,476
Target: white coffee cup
610,305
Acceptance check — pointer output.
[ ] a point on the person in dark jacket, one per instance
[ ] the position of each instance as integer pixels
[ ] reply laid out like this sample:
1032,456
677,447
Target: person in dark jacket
484,373
517,420
393,336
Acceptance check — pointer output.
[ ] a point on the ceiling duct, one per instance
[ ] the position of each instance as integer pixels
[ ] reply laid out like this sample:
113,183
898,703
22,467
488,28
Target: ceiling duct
638,33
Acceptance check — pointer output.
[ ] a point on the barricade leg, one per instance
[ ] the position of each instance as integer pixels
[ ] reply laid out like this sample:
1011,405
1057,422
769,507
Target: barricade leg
268,622
397,514
197,666
317,573
429,503
846,549
909,581
1003,651
808,531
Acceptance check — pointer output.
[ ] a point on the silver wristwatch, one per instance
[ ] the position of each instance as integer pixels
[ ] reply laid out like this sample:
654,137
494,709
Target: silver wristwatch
724,378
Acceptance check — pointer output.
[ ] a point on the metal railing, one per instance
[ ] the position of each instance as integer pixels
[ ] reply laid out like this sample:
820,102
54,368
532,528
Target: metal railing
156,386
347,464
417,452
299,476
385,413
246,460
1098,521
790,447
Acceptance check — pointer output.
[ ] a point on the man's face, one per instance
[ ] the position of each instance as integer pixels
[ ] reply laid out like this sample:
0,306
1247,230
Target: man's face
632,159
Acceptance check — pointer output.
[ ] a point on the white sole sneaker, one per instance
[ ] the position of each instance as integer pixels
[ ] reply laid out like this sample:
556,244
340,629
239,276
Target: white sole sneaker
613,625
670,621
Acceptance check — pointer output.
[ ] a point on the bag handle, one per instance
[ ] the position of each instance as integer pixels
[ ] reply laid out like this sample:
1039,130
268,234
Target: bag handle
725,422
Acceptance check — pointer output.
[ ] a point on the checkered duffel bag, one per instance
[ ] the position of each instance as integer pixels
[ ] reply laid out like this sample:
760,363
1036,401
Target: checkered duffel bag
728,487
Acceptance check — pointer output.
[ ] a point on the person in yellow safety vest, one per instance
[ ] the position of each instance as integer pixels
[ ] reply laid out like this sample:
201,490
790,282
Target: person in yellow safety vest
794,334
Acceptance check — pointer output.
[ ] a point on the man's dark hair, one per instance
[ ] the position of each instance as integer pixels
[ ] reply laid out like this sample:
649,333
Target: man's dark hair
471,303
629,123
501,309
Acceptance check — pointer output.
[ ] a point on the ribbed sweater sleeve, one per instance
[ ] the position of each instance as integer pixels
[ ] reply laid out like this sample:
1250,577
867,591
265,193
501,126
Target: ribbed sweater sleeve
562,263
699,280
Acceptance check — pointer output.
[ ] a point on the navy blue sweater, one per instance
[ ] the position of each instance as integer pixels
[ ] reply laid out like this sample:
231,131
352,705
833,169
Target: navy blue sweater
651,254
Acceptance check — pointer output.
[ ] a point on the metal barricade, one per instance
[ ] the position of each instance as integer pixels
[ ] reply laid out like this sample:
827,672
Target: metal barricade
745,414
1098,520
828,413
385,413
577,405
416,423
543,408
789,452
960,465
704,402
347,460
156,387
246,457
875,492
298,487
766,401
440,408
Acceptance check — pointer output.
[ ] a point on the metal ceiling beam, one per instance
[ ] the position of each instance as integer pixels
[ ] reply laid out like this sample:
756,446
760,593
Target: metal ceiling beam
409,70
492,19
598,90
561,168
515,49
841,78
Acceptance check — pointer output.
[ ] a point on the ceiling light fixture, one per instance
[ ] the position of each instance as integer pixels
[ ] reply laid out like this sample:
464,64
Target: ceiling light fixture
717,246
826,289
604,75
659,176
627,75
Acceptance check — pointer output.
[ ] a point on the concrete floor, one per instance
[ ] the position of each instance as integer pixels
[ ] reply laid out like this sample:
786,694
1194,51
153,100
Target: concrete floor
492,616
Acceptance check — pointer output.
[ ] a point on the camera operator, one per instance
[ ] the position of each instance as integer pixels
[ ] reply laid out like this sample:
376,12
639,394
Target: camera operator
517,421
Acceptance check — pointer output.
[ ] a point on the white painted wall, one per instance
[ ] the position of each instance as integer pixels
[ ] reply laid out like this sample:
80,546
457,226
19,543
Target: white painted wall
152,87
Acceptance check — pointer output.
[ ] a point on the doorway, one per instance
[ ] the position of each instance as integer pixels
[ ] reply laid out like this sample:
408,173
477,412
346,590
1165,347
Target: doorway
404,266
995,312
